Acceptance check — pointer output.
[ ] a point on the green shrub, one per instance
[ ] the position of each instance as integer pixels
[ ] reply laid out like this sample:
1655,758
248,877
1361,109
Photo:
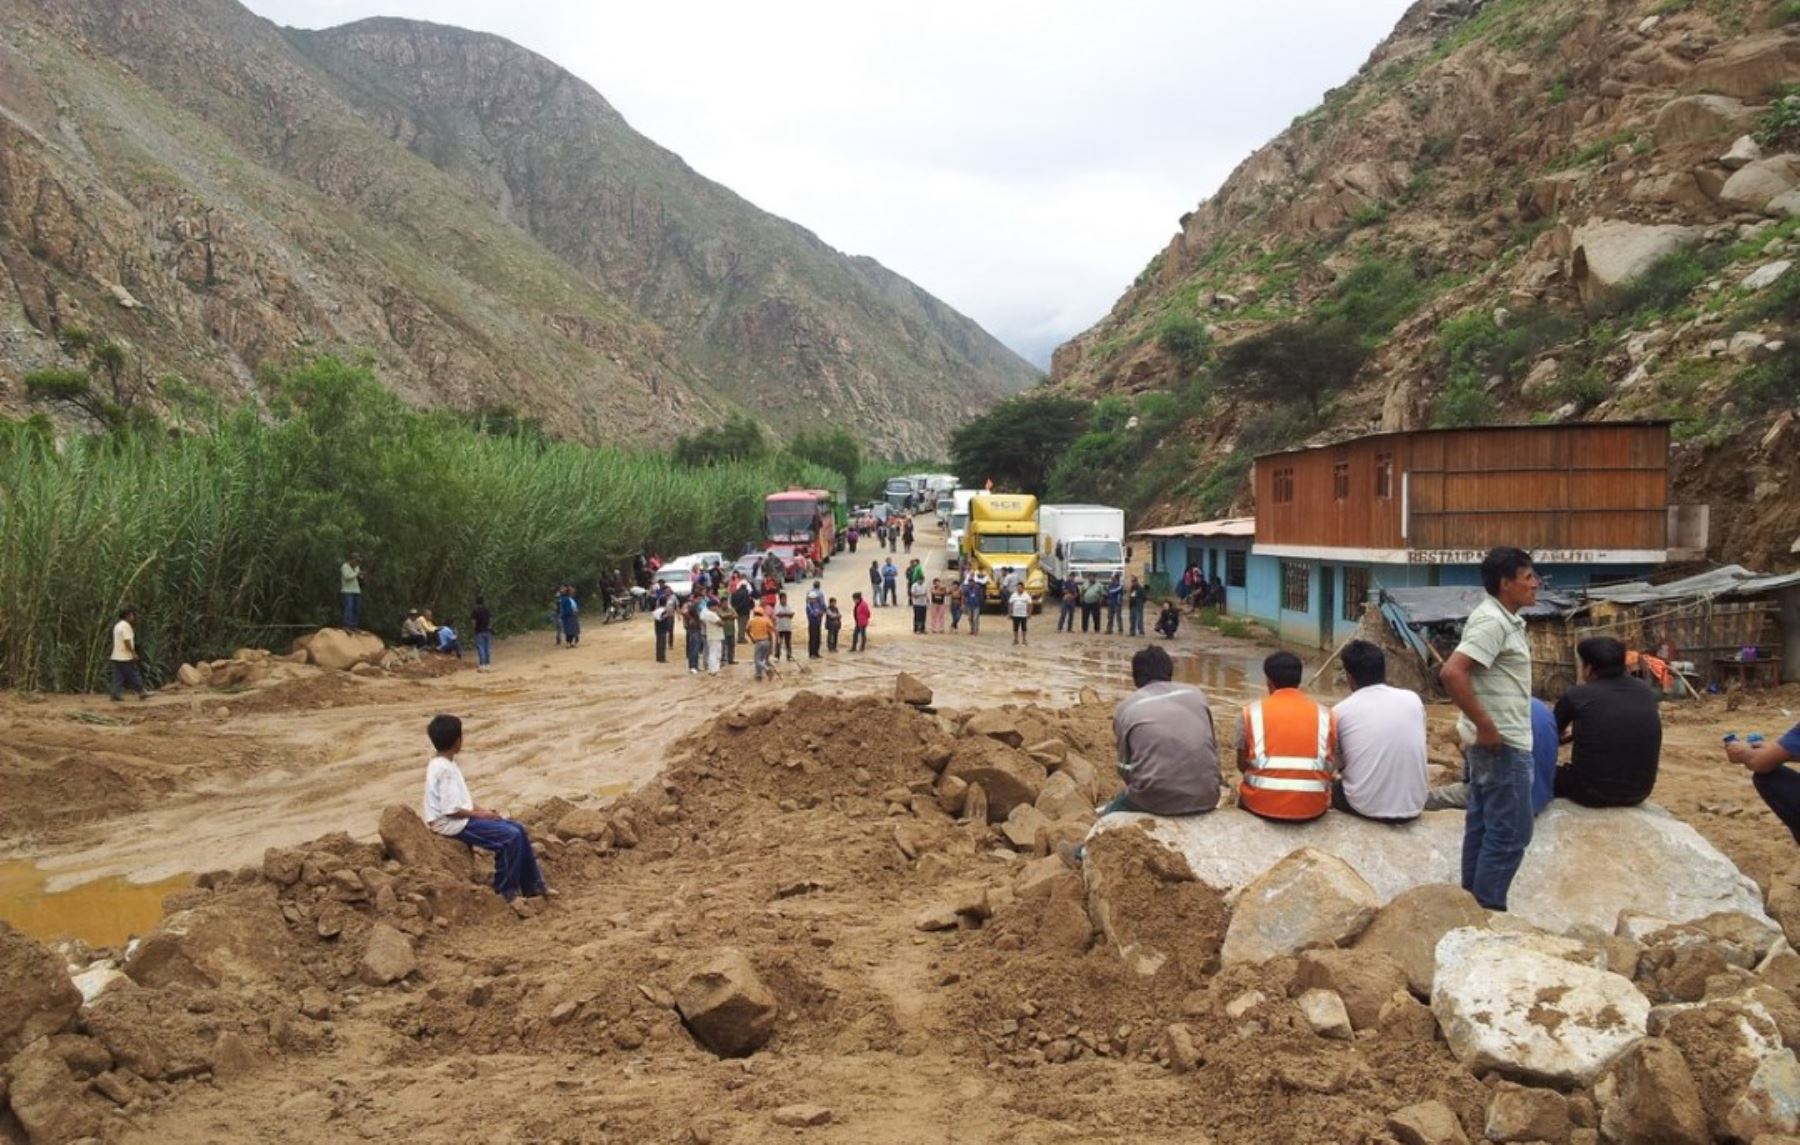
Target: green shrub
231,533
1184,338
1587,388
1233,627
1296,362
1374,297
1464,401
1780,126
1787,12
1774,384
1666,284
1369,215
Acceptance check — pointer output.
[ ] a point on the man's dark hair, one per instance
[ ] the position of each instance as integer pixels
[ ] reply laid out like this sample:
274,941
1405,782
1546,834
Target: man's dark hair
444,732
1151,665
128,612
1364,663
1502,564
1283,669
1605,655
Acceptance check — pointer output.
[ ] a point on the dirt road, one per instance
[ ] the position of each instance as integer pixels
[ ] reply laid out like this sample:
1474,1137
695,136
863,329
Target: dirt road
198,781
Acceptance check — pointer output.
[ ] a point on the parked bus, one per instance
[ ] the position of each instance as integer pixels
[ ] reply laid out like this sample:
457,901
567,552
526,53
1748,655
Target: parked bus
804,521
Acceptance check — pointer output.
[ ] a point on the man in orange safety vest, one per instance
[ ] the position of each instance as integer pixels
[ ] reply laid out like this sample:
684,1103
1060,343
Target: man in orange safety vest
1287,748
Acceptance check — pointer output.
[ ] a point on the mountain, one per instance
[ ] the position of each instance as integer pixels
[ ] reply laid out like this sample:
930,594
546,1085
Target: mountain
219,193
1516,210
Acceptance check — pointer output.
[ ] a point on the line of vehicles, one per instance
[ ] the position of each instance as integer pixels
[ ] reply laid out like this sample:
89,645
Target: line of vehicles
1047,546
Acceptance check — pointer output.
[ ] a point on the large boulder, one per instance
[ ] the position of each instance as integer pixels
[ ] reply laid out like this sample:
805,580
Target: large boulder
1609,253
1584,867
1309,898
1769,1105
48,1100
1007,775
1700,118
342,650
1647,1097
1535,1008
1724,1044
36,996
1749,67
1754,186
726,1006
1408,928
235,939
411,843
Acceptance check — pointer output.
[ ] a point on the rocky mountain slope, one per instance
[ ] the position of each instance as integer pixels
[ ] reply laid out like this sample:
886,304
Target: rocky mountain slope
1518,209
217,193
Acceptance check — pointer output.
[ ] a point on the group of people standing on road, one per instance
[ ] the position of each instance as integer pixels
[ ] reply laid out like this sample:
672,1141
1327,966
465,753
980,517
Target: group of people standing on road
889,534
1123,604
717,617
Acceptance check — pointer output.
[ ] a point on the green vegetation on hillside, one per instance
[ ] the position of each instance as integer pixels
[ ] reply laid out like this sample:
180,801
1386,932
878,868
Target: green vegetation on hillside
232,533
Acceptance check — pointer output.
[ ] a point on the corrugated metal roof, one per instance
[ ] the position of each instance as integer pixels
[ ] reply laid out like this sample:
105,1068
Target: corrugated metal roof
1730,580
1440,605
1572,426
1223,527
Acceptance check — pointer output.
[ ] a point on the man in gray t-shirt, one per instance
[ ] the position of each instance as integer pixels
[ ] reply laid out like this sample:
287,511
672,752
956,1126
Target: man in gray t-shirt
1168,756
1489,678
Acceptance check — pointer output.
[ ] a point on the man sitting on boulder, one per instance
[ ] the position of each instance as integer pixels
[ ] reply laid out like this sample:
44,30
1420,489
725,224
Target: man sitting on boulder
1381,742
1287,746
1617,731
450,811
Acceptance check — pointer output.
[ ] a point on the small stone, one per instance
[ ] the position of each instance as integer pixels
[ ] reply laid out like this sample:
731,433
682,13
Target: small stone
1427,1123
1520,1114
1647,1096
909,689
726,1005
802,1116
1244,1003
1184,1055
1324,1012
387,958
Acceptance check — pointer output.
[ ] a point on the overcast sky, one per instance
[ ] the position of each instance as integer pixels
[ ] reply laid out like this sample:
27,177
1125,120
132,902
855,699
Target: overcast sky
1020,159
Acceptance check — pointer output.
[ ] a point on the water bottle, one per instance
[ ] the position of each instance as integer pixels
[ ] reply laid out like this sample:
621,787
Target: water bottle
1730,738
1755,739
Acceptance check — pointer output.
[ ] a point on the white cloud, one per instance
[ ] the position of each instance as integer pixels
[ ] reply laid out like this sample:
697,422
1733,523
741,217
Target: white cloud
1022,161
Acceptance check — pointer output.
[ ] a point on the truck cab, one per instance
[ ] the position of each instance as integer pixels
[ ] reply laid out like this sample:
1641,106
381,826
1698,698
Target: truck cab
1001,534
1081,543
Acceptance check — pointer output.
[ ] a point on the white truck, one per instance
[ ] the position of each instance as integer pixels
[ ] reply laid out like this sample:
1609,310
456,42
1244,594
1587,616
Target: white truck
1081,541
959,519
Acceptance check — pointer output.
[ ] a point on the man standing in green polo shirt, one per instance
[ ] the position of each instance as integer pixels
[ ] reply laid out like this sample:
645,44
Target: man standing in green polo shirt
1489,678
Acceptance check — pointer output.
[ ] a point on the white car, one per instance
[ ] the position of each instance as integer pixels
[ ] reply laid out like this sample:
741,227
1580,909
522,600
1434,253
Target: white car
679,577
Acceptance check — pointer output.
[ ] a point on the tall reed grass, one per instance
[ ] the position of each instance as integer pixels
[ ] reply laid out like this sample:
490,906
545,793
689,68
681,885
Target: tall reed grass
232,534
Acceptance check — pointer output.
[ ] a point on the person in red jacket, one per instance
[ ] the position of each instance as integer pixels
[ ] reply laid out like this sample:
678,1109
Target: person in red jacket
860,614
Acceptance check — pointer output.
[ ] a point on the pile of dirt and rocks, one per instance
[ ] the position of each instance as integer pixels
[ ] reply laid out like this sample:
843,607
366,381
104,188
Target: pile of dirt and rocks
858,896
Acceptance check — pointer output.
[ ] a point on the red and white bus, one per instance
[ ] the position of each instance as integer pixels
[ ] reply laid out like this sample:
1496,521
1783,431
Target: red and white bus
801,520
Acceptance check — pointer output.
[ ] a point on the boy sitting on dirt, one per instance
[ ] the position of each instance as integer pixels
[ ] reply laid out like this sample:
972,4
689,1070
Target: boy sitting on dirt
451,812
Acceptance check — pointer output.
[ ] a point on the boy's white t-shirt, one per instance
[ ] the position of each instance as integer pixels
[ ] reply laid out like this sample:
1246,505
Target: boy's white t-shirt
445,792
122,637
1021,603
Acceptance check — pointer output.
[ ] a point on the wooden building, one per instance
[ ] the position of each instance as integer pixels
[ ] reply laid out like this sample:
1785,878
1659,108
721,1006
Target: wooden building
1589,501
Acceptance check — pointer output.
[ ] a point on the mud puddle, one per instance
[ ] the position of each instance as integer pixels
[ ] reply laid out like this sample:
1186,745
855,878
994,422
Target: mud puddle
101,912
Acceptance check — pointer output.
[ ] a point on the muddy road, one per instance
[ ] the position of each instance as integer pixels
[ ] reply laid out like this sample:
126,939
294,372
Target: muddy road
111,795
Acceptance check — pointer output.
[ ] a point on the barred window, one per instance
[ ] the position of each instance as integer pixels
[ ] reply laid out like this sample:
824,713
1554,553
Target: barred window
1296,586
1234,569
1340,481
1284,485
1384,476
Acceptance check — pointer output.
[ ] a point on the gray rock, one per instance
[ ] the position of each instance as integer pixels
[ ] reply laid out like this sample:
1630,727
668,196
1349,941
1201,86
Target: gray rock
1754,186
1324,1012
1609,253
1308,898
387,958
1767,275
1743,153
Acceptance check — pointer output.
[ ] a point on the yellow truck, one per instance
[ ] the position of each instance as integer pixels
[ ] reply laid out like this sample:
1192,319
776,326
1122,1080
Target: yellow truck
1002,534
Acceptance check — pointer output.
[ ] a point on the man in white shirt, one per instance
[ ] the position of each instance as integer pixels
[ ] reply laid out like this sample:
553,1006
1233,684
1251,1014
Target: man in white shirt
1381,742
449,810
124,659
1018,605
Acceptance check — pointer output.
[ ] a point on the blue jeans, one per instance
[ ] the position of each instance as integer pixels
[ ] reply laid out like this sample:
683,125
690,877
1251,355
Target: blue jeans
484,648
1137,620
1497,825
1065,620
1780,789
352,610
696,648
515,864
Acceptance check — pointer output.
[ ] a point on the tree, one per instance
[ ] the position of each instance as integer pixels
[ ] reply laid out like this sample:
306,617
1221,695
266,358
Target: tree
1297,361
1017,441
739,439
834,449
74,390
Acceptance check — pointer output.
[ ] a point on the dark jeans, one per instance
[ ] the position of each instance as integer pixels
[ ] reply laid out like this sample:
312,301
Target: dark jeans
352,610
1115,617
784,641
1780,789
1137,620
919,617
814,630
1497,825
1571,786
665,636
571,630
956,611
1065,617
1090,613
696,649
859,639
831,638
1340,802
890,593
125,674
515,864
